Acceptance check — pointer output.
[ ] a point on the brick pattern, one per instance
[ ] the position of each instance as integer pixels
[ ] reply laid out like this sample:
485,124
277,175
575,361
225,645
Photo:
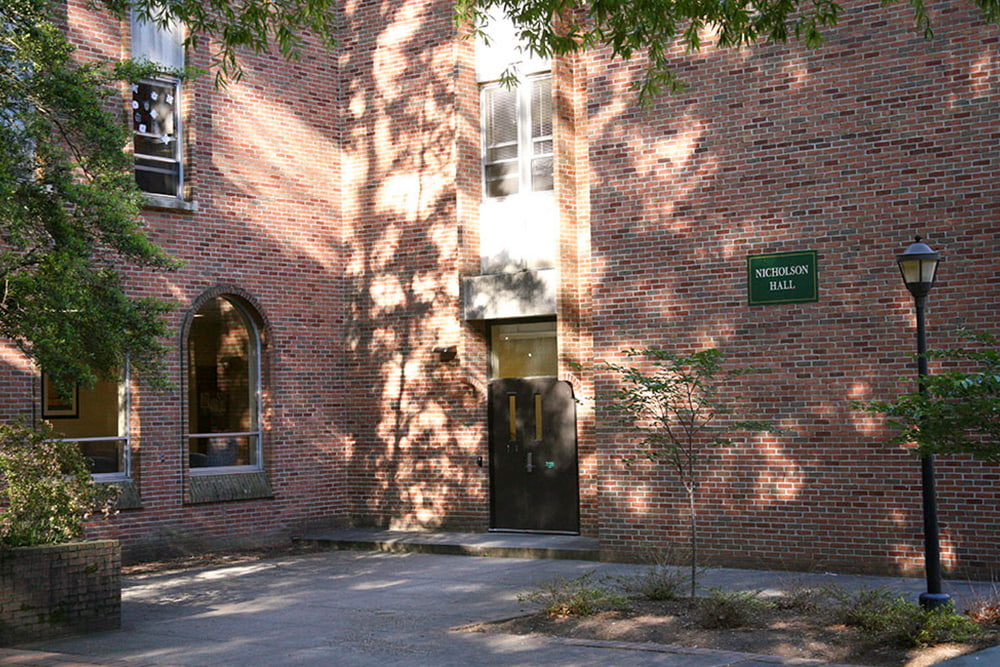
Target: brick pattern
849,151
263,168
338,195
53,590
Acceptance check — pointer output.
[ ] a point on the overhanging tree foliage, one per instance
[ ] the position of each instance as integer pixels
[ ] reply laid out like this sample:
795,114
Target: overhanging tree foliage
958,412
69,212
69,208
659,29
253,25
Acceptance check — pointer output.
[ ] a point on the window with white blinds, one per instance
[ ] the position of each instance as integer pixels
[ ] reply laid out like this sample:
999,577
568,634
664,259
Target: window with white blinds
517,137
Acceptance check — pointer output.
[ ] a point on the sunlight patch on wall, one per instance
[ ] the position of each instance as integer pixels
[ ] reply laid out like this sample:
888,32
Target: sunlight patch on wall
386,293
399,194
669,154
861,421
797,72
253,129
780,478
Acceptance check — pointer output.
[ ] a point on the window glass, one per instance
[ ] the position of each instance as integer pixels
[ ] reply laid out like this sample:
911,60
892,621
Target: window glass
223,373
523,350
541,134
517,137
155,124
94,417
500,123
156,108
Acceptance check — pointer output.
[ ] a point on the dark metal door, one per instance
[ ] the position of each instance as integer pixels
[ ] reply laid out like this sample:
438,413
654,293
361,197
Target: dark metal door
533,466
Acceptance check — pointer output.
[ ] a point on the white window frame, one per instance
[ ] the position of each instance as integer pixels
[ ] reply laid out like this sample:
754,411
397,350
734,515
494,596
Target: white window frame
525,141
163,45
174,164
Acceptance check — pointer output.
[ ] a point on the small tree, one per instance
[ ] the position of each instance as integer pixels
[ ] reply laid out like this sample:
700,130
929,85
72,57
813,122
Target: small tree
958,410
681,411
47,489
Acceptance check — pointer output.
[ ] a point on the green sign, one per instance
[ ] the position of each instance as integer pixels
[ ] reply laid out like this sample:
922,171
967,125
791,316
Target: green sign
787,277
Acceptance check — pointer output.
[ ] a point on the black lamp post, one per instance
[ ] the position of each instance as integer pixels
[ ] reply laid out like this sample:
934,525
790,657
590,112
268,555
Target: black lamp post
919,268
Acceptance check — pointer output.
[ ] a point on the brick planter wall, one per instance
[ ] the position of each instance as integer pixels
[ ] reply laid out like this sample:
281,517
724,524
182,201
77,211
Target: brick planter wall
60,589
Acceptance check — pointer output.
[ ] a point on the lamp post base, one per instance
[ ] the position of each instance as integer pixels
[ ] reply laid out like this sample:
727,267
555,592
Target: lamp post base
934,600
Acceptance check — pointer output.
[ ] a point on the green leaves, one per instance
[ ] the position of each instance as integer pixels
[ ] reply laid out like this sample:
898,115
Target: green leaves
69,209
676,402
656,32
255,25
958,411
47,487
681,406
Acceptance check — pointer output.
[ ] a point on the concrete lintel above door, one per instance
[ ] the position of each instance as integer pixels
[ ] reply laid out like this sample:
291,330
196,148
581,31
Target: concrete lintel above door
530,293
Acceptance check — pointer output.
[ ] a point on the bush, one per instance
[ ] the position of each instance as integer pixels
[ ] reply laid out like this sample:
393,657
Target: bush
887,618
984,609
47,488
802,597
725,610
661,580
573,597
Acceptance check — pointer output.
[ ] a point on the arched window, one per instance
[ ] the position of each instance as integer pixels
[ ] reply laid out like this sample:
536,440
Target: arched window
223,383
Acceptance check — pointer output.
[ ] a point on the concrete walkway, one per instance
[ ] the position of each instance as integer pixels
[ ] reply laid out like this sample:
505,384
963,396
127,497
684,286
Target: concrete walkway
389,607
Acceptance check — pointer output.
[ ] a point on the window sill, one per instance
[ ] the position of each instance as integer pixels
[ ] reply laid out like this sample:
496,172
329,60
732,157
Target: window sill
233,484
129,498
167,202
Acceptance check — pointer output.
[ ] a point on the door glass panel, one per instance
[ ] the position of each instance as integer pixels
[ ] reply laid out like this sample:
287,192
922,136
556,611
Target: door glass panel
538,417
512,417
524,350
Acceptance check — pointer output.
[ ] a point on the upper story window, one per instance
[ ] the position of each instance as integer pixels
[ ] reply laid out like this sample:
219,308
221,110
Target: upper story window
516,119
223,381
96,418
156,117
517,136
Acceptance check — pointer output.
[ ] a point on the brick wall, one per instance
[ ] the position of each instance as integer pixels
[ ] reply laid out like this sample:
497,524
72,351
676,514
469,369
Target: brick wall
54,590
415,425
338,195
849,151
263,168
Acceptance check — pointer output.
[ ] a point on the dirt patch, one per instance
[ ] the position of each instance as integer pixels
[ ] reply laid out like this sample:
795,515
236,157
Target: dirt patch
781,632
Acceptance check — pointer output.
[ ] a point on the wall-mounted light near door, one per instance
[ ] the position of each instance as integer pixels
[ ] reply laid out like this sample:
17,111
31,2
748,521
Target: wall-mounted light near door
447,353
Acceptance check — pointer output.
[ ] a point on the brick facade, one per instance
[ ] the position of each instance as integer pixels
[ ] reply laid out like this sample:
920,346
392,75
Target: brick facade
338,195
847,151
59,589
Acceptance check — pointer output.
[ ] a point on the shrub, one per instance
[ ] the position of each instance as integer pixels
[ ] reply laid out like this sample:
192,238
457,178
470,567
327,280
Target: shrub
887,618
47,488
661,580
803,597
726,610
939,626
984,609
573,597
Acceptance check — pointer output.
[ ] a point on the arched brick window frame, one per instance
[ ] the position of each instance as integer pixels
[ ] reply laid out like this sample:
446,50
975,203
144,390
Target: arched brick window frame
224,439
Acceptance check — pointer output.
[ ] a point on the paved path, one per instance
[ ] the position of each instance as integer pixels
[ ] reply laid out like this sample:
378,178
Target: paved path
371,608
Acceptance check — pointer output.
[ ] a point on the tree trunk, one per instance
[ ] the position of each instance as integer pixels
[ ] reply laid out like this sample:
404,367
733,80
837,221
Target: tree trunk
694,543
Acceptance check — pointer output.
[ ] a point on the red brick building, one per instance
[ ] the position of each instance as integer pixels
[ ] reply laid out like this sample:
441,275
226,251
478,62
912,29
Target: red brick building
381,244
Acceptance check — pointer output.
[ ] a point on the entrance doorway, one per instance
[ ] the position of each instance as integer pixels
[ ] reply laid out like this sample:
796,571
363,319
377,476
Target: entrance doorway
533,462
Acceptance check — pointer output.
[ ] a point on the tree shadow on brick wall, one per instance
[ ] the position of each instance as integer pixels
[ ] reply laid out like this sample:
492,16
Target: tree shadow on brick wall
414,419
775,150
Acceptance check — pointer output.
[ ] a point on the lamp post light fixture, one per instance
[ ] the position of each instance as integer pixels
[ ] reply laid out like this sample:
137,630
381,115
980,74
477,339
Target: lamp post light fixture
919,268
